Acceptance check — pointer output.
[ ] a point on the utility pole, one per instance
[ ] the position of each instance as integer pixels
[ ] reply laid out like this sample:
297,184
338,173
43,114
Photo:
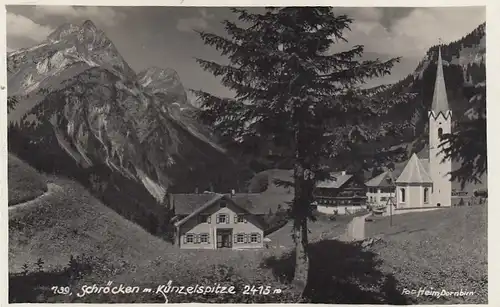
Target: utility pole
389,200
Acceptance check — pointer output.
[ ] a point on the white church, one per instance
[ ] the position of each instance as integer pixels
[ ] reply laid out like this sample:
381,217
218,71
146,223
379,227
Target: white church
422,183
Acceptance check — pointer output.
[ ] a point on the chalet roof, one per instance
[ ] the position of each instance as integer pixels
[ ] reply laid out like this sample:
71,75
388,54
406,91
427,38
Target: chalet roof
187,203
415,171
440,99
381,180
202,206
337,181
254,203
384,179
339,178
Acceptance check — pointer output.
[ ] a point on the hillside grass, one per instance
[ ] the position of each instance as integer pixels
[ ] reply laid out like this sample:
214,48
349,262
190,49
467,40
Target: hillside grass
443,249
71,222
24,182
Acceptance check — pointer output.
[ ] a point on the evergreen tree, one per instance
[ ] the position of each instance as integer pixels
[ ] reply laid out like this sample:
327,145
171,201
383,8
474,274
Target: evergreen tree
467,142
296,97
11,103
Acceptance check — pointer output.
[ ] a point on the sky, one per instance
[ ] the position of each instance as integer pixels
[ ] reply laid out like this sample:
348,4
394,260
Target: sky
164,36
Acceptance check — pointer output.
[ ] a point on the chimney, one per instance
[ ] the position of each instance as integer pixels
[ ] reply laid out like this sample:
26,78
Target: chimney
343,173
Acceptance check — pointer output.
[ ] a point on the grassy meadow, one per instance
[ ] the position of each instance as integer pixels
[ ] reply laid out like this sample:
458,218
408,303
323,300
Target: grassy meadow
443,249
24,182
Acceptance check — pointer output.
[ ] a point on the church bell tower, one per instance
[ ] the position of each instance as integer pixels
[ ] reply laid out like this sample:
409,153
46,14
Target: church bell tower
439,124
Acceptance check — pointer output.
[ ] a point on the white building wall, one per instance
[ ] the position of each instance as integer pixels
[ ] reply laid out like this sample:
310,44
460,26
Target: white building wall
438,169
195,227
414,196
378,197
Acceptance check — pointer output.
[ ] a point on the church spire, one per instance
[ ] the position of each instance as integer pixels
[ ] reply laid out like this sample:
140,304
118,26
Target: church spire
440,99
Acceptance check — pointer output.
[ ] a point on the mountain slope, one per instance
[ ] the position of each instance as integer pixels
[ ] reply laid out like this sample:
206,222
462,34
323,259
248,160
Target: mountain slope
129,138
76,89
24,182
464,68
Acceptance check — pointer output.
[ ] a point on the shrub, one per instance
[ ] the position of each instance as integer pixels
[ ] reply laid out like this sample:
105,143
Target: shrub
33,287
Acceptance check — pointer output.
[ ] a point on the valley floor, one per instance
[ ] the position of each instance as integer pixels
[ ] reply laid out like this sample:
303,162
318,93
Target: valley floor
69,222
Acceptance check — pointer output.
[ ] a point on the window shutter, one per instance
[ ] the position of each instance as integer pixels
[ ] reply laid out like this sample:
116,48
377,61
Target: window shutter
196,239
235,218
208,237
208,219
217,219
246,238
244,218
235,238
227,218
185,238
258,238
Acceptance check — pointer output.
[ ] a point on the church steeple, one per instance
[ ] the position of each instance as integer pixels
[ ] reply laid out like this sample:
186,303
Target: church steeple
440,98
439,125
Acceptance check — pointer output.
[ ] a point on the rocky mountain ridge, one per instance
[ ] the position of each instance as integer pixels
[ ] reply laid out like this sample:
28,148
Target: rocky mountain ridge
77,94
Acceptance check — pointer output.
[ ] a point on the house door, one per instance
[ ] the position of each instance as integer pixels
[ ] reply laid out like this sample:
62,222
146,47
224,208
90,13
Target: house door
224,238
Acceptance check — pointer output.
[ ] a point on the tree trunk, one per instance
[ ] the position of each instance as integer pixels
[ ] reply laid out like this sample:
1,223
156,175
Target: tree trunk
300,215
303,186
301,256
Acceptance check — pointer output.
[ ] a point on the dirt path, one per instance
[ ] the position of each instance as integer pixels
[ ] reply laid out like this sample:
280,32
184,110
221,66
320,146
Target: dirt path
51,189
355,229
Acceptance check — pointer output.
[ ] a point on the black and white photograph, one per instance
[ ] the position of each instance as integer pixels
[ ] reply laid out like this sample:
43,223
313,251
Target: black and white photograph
300,154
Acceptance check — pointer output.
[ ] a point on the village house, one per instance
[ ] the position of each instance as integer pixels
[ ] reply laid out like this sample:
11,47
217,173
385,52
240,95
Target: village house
343,193
381,188
215,221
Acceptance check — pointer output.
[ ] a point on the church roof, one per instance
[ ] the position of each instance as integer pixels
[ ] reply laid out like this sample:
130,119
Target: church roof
415,171
440,98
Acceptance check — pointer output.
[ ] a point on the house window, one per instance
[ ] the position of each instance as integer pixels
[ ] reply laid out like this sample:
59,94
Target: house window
239,218
426,195
403,195
204,218
255,238
240,238
222,219
204,238
189,238
440,132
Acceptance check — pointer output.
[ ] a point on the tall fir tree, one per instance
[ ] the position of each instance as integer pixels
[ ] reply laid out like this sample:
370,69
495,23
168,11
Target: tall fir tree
467,142
296,97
